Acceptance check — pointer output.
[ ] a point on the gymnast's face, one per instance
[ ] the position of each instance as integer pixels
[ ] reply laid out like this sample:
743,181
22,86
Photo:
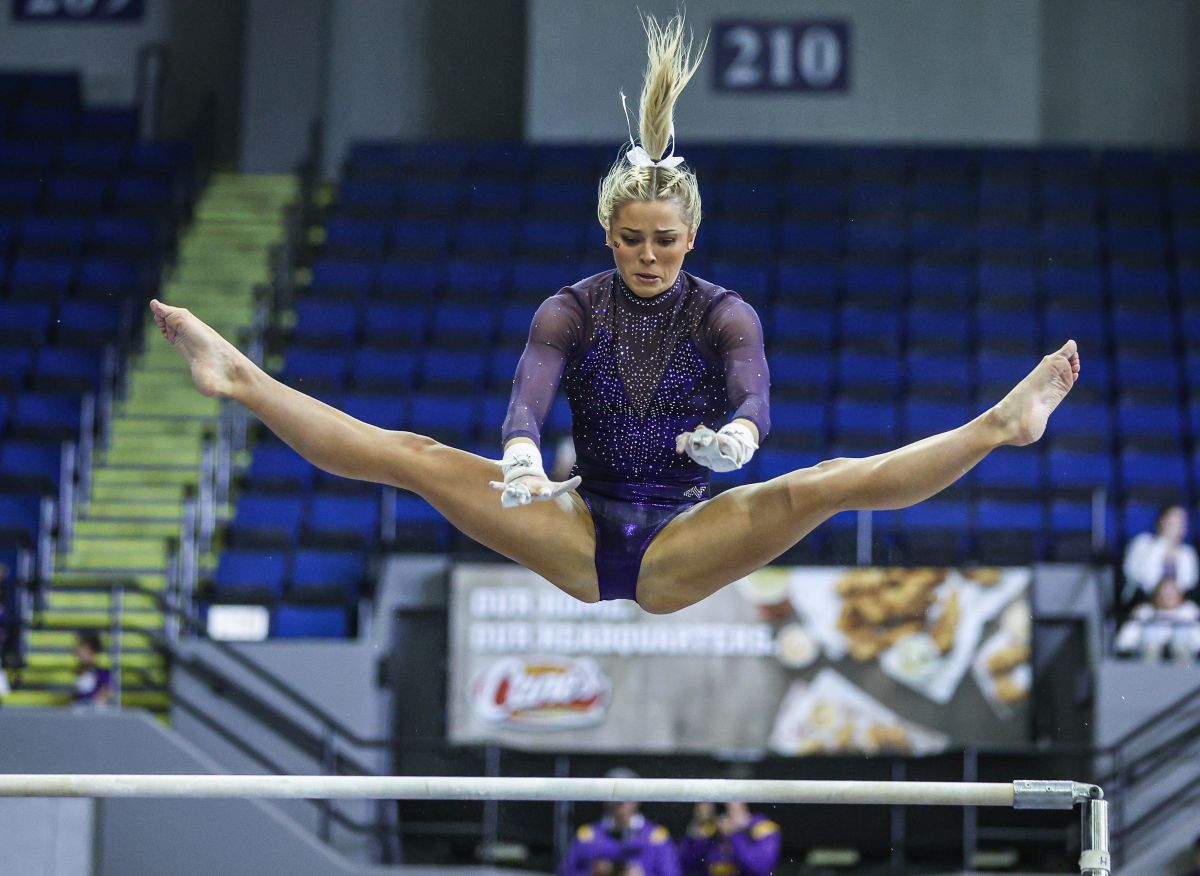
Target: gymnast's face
649,240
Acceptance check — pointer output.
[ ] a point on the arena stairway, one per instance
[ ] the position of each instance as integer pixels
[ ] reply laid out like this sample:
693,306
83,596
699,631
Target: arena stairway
140,480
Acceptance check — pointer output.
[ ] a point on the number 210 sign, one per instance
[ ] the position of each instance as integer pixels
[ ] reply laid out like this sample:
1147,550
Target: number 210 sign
809,56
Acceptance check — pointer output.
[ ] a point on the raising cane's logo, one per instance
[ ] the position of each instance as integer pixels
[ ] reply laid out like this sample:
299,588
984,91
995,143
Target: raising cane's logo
542,693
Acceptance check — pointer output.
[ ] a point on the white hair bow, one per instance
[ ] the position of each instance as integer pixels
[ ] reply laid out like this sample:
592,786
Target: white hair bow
638,156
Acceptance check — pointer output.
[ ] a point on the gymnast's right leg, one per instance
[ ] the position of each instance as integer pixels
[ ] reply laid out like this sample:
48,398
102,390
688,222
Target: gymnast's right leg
555,539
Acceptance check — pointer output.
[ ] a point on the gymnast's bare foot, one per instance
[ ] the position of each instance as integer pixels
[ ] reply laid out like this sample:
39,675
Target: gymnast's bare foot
1022,414
217,366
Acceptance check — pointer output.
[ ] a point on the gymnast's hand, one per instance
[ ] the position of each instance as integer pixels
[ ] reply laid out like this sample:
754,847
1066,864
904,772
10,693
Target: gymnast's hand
525,480
532,488
726,450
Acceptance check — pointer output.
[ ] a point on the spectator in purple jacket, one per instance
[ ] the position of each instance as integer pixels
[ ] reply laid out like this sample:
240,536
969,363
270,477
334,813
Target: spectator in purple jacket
93,684
729,841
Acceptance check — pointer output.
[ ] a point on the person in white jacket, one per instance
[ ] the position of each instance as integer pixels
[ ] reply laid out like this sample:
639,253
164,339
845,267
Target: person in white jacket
1164,553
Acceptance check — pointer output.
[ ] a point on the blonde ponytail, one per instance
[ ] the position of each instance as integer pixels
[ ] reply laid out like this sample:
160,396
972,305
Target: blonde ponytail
669,68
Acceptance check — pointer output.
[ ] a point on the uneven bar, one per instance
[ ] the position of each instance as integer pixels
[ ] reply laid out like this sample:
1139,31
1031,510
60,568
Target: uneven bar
512,788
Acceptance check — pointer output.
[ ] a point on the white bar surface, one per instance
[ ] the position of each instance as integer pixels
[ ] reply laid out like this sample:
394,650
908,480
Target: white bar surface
510,788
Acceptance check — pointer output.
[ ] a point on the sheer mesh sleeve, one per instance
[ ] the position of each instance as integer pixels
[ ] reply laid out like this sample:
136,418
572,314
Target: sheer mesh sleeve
734,336
556,333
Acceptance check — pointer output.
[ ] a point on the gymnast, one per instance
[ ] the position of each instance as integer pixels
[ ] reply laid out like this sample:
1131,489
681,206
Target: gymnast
666,379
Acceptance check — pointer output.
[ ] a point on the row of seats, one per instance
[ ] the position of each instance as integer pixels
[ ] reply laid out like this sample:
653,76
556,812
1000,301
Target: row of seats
1076,237
820,282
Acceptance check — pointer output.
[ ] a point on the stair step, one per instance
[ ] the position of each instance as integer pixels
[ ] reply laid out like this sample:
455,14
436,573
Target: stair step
98,600
135,477
66,659
49,642
129,427
92,527
143,452
132,510
32,678
131,553
33,699
60,620
111,489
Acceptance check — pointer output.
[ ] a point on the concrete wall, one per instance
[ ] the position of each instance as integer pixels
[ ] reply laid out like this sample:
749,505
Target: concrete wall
972,71
106,52
1120,72
921,70
284,82
46,837
151,837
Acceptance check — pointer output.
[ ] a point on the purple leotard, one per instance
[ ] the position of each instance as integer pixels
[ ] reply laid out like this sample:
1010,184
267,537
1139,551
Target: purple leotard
637,373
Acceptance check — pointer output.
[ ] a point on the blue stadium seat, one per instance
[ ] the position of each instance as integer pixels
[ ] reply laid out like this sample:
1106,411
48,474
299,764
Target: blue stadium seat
390,324
937,330
67,369
420,236
797,236
998,372
815,283
1009,331
449,420
799,375
876,330
46,416
314,370
18,196
535,281
387,411
108,123
1010,473
792,327
863,282
109,277
76,196
350,236
1005,283
871,425
42,278
368,197
48,235
923,418
92,156
1074,473
1069,241
1090,427
1151,378
249,575
993,237
325,322
867,376
1154,477
267,520
1009,533
1071,531
463,326
490,236
15,363
539,237
934,533
935,377
391,370
774,463
1072,285
937,237
1150,426
88,323
29,466
454,370
495,195
342,279
419,526
799,424
278,467
309,622
938,283
342,520
20,516
123,234
327,575
415,280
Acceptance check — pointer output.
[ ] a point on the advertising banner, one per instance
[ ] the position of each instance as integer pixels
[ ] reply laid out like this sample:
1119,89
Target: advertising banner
797,661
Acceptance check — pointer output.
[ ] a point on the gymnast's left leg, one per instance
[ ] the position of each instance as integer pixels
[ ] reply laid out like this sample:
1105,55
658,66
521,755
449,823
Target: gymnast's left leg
731,535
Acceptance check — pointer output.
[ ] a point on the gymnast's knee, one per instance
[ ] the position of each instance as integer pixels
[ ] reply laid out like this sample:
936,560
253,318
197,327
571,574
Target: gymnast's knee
825,487
412,458
658,600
